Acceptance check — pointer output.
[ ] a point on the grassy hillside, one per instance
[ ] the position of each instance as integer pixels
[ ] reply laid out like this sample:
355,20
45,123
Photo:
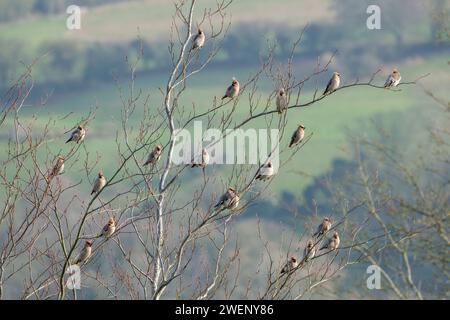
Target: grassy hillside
119,22
329,119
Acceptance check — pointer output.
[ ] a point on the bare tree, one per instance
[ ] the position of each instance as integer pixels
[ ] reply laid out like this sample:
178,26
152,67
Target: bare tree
172,235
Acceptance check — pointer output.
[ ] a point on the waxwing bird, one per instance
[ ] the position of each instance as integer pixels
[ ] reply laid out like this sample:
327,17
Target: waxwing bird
298,135
154,156
323,227
333,84
230,199
281,101
290,265
393,80
109,228
77,134
310,251
85,253
204,161
199,40
58,168
233,90
333,242
265,172
99,183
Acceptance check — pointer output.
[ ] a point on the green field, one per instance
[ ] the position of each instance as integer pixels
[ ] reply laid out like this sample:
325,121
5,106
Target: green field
329,120
151,19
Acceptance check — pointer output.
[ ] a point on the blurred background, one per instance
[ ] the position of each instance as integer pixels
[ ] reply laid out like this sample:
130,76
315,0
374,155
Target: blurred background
78,70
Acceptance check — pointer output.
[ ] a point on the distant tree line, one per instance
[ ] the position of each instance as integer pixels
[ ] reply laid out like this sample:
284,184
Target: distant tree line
16,9
66,63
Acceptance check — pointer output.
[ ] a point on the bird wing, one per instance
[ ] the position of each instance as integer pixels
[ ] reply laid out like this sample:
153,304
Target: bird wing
294,137
389,81
222,199
96,185
328,88
228,93
76,135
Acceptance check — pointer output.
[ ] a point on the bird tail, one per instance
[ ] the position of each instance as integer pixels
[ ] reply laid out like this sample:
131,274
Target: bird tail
225,96
93,191
324,247
291,144
70,139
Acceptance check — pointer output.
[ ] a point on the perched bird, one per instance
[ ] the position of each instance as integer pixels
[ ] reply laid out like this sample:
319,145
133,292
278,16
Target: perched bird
204,161
265,172
323,227
99,183
281,101
85,253
77,134
310,251
154,156
58,168
298,135
233,90
109,228
290,265
333,84
333,242
199,40
229,200
393,80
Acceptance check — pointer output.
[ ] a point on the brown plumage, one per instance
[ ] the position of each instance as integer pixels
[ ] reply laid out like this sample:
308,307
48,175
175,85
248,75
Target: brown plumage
99,183
58,168
281,101
230,200
85,253
298,135
393,80
109,228
333,84
290,265
154,156
323,227
310,251
333,242
77,135
233,90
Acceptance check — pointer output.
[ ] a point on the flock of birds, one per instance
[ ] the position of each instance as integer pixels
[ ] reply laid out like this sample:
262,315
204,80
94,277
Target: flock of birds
230,199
